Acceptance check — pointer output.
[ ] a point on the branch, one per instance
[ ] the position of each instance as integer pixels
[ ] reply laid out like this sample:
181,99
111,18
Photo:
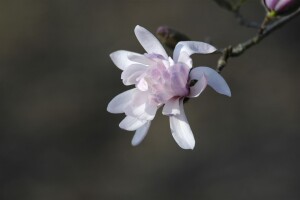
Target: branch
171,37
242,47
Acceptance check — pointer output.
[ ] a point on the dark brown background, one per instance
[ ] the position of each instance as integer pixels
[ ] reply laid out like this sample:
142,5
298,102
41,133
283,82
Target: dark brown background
57,140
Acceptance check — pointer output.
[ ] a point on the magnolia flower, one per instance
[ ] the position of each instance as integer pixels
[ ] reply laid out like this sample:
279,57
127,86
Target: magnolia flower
161,81
281,7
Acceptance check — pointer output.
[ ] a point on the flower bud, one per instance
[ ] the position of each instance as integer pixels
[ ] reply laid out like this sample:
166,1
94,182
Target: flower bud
170,37
281,7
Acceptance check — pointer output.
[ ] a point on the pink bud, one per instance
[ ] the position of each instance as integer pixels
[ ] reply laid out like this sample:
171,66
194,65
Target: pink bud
170,37
281,7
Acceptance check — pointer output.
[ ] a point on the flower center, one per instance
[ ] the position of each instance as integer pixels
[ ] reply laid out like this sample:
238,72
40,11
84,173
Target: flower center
165,82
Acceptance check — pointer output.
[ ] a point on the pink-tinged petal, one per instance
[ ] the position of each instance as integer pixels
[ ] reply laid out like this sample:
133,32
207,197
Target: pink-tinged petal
132,73
140,134
281,5
181,130
171,107
121,58
271,4
191,47
198,88
179,78
130,123
214,79
121,101
149,42
140,107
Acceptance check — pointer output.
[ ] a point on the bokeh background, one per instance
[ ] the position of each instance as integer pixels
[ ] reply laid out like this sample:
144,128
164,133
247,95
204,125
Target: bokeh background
57,141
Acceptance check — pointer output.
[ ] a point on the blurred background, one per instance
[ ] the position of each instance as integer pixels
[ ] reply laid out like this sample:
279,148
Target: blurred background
57,141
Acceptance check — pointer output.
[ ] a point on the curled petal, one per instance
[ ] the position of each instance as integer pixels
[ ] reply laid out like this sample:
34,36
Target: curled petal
130,123
215,80
121,101
140,134
171,107
149,42
181,130
198,88
186,59
121,58
140,107
191,47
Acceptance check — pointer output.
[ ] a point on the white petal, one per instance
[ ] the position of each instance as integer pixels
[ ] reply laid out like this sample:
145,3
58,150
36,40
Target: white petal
185,58
191,47
198,88
171,107
140,107
181,130
171,61
132,73
131,123
141,59
140,134
142,84
214,79
119,103
121,60
149,42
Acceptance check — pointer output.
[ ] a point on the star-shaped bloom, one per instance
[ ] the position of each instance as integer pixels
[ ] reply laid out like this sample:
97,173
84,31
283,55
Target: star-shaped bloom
160,80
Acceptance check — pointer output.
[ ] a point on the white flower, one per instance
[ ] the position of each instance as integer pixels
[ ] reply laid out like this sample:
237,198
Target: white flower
161,81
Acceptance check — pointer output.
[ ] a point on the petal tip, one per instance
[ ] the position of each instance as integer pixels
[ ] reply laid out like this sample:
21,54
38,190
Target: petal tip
210,48
134,143
188,146
138,28
213,48
109,106
227,92
111,55
121,125
191,146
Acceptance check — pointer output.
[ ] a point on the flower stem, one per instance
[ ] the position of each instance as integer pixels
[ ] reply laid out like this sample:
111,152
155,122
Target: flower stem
237,50
171,37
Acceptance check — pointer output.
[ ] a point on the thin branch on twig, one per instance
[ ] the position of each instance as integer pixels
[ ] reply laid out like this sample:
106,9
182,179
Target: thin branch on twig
242,47
171,37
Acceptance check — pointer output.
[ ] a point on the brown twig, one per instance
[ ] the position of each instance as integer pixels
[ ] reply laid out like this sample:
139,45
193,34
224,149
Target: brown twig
171,37
240,48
